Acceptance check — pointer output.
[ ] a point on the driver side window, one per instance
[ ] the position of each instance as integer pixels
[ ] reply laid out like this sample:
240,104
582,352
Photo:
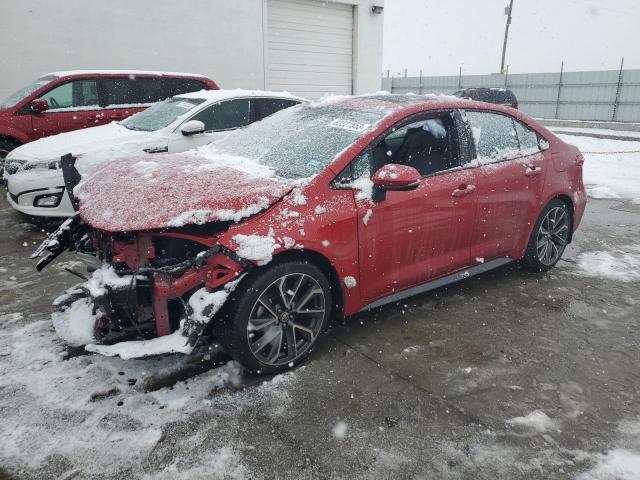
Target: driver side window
427,145
78,93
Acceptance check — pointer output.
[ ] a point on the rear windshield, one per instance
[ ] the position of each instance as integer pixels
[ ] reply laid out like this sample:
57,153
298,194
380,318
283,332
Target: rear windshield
300,141
161,114
24,92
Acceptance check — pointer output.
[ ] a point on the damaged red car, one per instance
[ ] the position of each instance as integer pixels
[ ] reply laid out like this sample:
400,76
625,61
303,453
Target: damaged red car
321,210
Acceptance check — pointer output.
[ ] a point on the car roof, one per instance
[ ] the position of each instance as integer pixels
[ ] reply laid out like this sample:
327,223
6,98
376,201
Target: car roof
392,103
69,73
216,95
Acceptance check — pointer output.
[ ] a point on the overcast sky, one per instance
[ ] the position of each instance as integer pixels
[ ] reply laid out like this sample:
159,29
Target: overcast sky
438,36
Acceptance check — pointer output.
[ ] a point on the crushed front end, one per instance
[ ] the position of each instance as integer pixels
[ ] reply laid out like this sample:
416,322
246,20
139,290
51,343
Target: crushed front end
140,285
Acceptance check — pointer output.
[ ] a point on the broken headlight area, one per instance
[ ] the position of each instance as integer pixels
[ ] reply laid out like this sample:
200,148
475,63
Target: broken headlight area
155,284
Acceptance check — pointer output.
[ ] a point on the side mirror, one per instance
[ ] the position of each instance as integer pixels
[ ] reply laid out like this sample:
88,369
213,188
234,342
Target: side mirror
192,127
394,177
39,105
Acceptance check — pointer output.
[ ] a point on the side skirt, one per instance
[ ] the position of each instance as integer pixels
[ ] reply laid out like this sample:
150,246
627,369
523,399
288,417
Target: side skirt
440,282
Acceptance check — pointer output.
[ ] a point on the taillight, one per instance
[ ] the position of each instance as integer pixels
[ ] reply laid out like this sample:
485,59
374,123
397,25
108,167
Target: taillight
579,160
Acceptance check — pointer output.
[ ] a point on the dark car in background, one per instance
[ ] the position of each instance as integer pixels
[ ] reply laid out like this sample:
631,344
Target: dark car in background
64,101
500,96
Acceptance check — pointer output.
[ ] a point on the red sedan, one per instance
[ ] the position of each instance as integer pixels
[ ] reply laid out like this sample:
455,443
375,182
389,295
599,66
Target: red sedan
324,209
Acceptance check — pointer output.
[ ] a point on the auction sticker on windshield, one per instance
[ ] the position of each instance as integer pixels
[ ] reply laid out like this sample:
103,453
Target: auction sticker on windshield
348,125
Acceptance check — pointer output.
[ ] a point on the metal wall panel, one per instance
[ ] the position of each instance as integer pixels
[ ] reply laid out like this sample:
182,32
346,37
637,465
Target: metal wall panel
595,95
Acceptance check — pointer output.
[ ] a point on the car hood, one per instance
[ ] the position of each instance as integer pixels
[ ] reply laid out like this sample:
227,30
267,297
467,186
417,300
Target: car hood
140,194
88,140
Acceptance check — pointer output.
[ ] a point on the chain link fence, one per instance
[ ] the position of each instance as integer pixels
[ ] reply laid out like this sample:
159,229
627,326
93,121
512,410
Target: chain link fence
609,95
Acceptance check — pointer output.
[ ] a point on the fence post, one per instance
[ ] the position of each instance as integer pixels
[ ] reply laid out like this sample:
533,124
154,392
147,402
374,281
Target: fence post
616,101
559,90
460,78
420,84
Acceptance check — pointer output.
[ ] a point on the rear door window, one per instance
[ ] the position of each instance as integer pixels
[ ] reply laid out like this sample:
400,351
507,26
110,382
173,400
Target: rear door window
178,86
267,106
77,93
494,135
118,91
527,138
148,90
225,115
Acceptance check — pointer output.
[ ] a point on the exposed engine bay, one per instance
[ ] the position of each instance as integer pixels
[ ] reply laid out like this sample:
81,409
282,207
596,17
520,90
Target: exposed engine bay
139,284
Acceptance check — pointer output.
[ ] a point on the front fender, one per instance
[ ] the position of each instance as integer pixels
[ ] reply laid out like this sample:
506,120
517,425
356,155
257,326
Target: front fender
324,223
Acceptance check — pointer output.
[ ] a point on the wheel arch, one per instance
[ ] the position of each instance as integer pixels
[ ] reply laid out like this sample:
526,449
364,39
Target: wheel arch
324,264
566,199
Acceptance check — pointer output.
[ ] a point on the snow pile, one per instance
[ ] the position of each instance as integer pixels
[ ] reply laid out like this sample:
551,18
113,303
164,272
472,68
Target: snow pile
256,247
536,420
350,282
609,175
205,304
364,187
173,343
340,430
618,464
76,324
618,265
105,278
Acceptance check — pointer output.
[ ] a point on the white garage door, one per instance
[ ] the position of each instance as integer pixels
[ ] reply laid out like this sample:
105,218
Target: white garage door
309,47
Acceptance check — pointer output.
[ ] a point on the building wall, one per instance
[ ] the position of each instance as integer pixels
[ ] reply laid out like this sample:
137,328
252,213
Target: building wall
219,38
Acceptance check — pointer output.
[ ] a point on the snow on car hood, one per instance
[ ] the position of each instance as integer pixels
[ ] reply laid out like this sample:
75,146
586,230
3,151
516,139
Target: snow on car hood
81,142
143,194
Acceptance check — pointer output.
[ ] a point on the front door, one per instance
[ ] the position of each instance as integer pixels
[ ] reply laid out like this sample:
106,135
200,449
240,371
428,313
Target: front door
72,106
412,237
219,120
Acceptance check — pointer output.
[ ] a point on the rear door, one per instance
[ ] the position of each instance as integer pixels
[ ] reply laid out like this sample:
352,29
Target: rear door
121,97
510,178
412,237
72,104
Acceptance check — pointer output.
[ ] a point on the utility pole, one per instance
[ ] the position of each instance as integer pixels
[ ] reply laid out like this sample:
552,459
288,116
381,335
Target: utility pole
507,12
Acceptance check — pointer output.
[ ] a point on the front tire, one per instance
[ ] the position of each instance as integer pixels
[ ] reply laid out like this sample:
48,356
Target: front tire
276,315
549,237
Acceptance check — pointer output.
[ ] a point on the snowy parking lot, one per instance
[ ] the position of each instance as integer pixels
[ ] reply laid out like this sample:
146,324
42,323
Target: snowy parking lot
506,375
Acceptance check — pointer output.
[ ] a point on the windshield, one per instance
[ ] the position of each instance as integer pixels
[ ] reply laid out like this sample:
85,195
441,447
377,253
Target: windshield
23,93
300,141
161,114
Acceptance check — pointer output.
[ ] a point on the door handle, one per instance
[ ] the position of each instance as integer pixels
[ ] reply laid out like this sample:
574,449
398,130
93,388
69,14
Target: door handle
463,190
532,171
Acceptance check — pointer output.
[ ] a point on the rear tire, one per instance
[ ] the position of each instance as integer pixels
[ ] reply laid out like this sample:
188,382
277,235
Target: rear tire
549,237
275,316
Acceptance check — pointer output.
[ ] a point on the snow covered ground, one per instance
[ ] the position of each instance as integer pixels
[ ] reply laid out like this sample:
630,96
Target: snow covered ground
608,172
505,376
597,131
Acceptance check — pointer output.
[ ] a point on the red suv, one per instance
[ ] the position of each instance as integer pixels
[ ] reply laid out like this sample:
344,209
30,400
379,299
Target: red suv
321,209
63,101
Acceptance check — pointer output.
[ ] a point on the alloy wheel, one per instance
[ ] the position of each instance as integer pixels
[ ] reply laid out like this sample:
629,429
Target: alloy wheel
286,319
553,235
